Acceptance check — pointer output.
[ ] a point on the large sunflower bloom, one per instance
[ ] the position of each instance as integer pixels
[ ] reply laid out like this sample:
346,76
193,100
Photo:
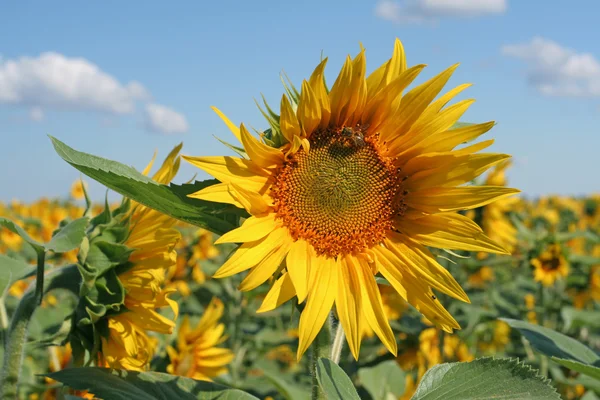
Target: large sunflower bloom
364,180
153,237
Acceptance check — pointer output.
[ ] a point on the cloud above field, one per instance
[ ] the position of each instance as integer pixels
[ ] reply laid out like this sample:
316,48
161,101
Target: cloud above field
53,81
165,120
422,11
554,70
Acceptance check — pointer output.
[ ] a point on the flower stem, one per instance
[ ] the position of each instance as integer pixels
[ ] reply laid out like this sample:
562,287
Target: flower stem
338,344
16,337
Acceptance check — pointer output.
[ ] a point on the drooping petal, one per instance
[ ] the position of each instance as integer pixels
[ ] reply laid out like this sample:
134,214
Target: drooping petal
319,302
348,305
253,202
266,268
232,169
250,254
298,265
372,305
281,291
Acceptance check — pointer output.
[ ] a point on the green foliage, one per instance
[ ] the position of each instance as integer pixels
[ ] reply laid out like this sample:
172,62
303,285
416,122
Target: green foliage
383,381
334,382
554,344
12,270
128,385
484,378
171,200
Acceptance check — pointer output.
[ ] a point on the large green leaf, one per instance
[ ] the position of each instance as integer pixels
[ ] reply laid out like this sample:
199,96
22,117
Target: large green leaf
171,200
12,270
484,378
383,380
288,390
585,369
128,385
554,344
334,381
68,237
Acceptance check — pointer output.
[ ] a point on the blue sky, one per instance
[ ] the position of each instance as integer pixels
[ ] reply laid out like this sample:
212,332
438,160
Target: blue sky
121,79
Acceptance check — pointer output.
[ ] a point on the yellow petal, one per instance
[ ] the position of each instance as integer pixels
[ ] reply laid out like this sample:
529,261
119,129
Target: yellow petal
424,266
348,305
253,202
261,154
251,253
218,193
317,83
309,109
298,266
448,231
288,122
295,146
440,199
339,92
441,102
281,291
417,100
413,290
232,127
253,229
319,302
449,139
372,305
232,169
453,171
266,268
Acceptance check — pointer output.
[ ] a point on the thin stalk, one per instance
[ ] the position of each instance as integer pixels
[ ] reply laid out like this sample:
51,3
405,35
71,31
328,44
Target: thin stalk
315,355
441,336
39,280
338,344
3,315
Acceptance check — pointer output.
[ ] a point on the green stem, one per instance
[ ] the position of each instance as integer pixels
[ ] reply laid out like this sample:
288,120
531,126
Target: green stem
314,359
16,338
39,279
441,336
3,315
338,344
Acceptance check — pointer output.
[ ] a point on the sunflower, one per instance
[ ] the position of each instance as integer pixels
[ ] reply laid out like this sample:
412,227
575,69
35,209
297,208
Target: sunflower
78,189
550,265
197,355
127,345
353,182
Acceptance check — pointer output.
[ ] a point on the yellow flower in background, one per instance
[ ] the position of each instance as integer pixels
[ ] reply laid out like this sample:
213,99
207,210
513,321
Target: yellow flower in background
368,177
499,338
9,239
530,305
128,345
480,278
77,189
550,265
197,355
494,221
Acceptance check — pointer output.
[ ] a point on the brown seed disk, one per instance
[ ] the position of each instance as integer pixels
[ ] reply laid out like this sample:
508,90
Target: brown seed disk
341,196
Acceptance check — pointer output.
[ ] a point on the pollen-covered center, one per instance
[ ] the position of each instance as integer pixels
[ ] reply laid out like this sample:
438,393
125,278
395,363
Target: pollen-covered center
341,196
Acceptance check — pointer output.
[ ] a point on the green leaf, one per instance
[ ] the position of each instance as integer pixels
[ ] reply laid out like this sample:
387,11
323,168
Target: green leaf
128,385
552,343
10,225
69,237
171,200
383,379
288,390
334,381
12,270
585,369
484,378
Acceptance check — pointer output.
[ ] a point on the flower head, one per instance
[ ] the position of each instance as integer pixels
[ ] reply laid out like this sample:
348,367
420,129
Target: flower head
353,182
550,265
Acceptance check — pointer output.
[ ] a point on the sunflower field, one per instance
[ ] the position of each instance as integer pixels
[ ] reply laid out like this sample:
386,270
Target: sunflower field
361,246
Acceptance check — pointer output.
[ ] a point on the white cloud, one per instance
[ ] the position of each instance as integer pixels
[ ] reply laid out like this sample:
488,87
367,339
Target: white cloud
36,114
55,81
420,11
163,119
557,71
